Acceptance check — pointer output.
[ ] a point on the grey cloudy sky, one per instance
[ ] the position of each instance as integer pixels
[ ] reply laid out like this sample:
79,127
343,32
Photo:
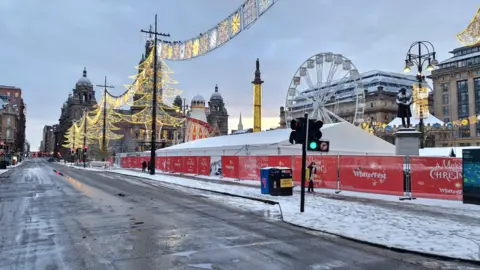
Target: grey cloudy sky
45,44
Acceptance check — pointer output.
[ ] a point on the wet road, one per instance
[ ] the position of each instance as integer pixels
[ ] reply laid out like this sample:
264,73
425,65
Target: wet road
106,221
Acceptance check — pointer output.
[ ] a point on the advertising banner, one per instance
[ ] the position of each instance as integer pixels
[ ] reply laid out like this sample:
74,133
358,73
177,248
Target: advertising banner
471,176
326,176
203,165
373,174
436,177
230,166
190,165
250,166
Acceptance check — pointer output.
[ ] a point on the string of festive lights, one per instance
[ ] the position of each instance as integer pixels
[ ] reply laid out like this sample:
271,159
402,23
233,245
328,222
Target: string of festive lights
470,36
241,19
138,97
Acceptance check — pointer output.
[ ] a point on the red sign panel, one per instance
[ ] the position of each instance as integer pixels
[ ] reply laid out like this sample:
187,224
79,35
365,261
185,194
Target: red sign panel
374,174
230,166
436,177
190,165
203,165
250,167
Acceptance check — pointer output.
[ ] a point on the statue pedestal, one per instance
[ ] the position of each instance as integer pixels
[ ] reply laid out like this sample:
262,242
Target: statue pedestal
407,142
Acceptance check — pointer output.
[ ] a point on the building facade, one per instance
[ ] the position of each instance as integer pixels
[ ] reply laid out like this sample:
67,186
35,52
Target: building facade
217,114
80,99
13,119
389,82
48,140
456,84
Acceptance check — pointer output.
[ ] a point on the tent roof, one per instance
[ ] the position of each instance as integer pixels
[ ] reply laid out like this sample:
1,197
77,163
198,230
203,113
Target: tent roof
430,120
344,138
257,138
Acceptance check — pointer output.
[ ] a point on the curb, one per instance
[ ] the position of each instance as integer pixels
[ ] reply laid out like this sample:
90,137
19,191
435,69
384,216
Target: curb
395,249
211,191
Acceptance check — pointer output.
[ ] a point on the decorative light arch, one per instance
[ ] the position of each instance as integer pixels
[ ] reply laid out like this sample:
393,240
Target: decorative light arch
241,19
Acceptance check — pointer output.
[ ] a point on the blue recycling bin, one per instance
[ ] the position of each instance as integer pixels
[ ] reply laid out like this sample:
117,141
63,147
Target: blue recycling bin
265,180
276,181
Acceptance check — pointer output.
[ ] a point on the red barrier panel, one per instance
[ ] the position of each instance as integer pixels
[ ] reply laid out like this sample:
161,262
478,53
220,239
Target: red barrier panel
249,166
436,177
280,161
168,164
190,165
162,163
177,165
230,166
374,174
203,165
326,176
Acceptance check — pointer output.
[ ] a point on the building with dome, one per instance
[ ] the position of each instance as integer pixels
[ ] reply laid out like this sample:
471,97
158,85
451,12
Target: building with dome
81,98
217,115
197,126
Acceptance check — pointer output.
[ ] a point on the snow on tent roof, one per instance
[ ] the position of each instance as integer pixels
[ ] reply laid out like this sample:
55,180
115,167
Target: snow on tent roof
344,138
256,138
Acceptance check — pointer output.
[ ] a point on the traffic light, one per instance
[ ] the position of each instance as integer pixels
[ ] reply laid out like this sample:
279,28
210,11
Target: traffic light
314,135
297,136
85,149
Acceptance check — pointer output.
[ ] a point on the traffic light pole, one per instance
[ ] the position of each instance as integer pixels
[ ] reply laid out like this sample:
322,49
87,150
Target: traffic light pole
304,166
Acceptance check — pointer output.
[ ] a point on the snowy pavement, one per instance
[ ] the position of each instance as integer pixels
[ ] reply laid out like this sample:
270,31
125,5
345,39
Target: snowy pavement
438,227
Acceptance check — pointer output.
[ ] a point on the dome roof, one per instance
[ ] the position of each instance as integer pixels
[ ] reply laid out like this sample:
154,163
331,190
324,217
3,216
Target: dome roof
84,80
198,98
216,95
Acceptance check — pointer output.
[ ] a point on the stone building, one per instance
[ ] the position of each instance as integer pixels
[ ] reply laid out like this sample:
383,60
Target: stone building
456,84
13,119
48,140
217,115
80,99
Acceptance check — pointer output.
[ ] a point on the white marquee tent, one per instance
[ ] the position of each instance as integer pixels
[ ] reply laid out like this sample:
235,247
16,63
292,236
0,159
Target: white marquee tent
344,138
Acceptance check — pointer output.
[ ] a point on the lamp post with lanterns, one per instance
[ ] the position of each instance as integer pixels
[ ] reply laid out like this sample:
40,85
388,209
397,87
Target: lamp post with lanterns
419,54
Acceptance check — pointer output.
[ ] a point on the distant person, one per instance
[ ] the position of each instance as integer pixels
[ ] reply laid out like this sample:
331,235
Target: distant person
144,166
313,170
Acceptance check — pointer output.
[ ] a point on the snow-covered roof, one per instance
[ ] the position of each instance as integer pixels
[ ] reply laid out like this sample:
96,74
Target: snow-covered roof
444,151
344,138
460,57
413,121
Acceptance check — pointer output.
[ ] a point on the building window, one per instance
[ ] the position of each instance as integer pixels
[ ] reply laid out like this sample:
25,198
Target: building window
445,99
446,120
462,96
476,90
445,87
464,131
9,121
446,112
9,133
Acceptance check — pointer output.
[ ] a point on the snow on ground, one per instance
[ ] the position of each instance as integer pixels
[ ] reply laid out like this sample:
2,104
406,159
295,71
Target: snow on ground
436,227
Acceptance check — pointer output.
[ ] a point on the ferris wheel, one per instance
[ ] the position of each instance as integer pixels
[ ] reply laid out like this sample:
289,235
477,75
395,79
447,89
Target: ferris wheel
326,86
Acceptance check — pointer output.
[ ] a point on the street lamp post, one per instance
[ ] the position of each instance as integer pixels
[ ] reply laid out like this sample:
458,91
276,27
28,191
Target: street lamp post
85,138
154,97
426,54
185,111
104,130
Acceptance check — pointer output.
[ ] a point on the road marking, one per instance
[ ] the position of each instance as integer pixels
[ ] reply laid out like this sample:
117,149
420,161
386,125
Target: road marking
328,265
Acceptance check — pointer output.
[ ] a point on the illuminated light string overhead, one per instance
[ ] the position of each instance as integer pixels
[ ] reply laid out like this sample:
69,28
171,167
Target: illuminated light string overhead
470,36
241,19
